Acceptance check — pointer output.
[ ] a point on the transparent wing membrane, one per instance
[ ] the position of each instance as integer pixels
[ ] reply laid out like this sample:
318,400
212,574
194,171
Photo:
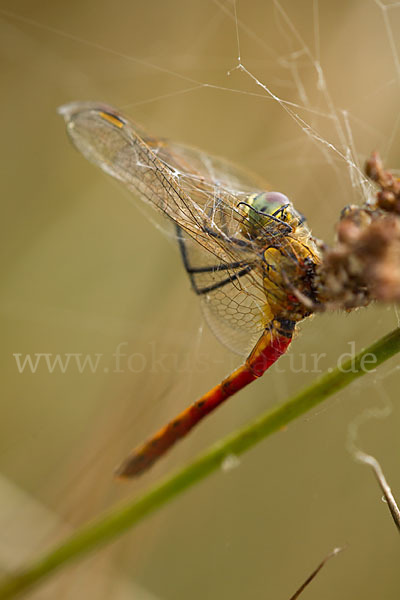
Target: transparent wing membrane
232,296
174,180
235,238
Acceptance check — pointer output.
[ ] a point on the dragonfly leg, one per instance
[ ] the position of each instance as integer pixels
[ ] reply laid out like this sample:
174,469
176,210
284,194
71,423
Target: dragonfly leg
271,345
192,271
220,284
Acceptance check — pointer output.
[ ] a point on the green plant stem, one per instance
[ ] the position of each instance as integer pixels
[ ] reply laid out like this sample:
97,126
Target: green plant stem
119,519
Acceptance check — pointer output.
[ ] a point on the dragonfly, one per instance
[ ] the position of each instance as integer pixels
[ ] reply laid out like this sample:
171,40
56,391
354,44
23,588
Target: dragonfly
248,252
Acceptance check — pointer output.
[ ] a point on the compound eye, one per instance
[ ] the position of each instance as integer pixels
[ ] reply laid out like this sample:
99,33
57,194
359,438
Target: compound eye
277,198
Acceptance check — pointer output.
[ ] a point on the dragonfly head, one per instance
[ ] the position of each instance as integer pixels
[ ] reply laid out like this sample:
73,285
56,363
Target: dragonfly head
271,211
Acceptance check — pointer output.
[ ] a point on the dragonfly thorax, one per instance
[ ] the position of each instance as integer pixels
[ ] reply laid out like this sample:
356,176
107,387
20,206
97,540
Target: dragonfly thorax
289,254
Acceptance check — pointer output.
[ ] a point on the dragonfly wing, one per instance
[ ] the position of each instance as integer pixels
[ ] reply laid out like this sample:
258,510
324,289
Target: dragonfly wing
232,296
175,180
197,167
201,195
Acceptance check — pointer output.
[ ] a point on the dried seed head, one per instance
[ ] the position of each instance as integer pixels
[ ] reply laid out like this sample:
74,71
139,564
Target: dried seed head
388,198
364,264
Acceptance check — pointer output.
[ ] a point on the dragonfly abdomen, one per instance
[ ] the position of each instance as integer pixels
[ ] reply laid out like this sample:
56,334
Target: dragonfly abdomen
271,345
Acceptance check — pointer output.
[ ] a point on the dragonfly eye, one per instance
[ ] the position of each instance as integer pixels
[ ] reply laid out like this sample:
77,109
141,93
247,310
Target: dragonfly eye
278,205
270,203
269,211
275,199
261,218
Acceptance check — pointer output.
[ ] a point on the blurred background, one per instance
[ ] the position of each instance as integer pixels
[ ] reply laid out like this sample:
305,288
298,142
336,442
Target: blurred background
84,272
